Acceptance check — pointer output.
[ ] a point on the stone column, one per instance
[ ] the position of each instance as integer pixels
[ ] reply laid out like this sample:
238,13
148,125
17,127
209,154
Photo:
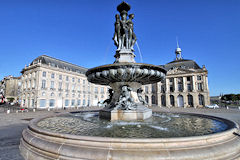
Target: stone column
159,100
195,100
175,101
206,82
194,83
185,100
175,85
167,85
184,84
149,99
158,93
167,100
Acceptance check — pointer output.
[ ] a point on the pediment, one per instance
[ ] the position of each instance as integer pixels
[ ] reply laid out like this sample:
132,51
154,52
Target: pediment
180,71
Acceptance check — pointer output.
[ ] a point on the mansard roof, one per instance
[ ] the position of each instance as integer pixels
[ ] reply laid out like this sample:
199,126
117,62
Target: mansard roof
182,63
44,59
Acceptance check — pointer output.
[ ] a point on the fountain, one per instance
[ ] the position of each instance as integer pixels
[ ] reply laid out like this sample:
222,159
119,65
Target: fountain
126,128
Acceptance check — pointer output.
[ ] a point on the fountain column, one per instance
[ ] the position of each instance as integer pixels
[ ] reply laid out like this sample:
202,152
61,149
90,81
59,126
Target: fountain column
125,76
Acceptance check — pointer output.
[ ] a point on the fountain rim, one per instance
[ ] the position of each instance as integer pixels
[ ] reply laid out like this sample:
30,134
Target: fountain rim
126,64
232,127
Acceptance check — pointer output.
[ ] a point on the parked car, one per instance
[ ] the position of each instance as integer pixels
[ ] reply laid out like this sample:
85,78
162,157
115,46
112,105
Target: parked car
212,106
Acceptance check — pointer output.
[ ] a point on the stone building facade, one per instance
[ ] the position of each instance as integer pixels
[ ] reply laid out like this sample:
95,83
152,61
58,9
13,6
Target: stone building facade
185,85
10,88
49,82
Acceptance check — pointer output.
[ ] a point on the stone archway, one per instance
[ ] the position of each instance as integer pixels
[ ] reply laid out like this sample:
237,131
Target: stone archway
146,99
180,101
163,100
201,99
172,100
153,99
190,100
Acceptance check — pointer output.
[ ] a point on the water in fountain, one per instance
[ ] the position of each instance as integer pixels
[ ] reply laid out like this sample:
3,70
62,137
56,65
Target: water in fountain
161,125
140,53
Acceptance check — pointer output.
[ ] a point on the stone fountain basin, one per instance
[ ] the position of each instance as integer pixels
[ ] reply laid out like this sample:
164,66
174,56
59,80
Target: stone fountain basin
37,143
126,72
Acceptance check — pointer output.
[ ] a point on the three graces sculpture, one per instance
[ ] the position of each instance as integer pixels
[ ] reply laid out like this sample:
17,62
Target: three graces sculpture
124,37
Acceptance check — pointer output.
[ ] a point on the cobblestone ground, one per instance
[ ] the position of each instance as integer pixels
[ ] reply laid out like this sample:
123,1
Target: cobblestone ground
11,125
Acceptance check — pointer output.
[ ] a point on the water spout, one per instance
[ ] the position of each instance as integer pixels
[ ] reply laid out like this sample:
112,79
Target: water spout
140,53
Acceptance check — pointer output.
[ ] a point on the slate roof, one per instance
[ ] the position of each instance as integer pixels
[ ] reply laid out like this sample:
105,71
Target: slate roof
59,63
182,63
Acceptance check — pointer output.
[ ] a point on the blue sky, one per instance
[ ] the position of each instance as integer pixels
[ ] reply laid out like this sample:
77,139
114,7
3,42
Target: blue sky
81,31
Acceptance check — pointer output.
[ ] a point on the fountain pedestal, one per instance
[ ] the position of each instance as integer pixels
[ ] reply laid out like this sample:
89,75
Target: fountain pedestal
141,113
125,104
124,55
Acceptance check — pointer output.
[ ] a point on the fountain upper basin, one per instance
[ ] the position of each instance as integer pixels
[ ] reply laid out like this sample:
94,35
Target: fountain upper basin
126,72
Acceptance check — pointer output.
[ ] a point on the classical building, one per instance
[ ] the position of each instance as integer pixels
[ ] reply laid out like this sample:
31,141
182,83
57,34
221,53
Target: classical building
10,88
186,85
49,82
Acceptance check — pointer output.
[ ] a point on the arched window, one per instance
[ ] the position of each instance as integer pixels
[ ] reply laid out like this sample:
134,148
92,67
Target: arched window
190,100
172,100
163,100
180,101
146,99
153,99
201,99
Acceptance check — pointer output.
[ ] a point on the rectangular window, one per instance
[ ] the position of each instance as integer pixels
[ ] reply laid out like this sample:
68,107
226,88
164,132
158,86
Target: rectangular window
52,75
73,102
78,80
43,83
60,77
29,84
189,86
180,87
60,85
66,102
146,89
96,90
32,103
67,86
153,89
79,88
170,79
188,78
102,90
42,102
199,77
52,103
171,88
79,102
200,87
73,79
162,88
44,74
73,87
83,81
67,78
52,85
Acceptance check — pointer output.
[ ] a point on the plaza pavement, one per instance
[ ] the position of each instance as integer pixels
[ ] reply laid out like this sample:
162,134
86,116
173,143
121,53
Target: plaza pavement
11,125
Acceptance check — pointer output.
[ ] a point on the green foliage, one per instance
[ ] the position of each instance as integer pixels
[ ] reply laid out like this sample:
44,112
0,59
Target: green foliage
231,97
10,99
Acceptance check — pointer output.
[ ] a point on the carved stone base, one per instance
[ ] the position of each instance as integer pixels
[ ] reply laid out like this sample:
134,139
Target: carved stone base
141,113
124,55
